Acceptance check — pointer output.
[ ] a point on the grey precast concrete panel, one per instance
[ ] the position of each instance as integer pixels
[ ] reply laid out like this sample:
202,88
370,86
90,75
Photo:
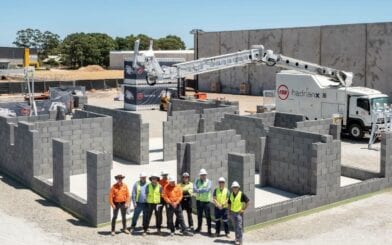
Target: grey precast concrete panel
209,45
344,47
233,41
379,57
130,134
302,43
260,76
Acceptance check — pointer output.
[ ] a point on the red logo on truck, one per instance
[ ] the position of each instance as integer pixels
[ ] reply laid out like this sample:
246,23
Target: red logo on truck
283,92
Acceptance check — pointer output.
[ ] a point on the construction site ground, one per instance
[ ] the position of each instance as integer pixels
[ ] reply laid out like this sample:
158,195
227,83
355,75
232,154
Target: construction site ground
26,217
84,73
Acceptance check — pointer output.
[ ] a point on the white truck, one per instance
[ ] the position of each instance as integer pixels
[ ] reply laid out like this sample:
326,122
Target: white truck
317,97
309,89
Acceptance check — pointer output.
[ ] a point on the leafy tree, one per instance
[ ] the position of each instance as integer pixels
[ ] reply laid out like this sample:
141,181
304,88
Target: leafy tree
81,49
46,43
170,42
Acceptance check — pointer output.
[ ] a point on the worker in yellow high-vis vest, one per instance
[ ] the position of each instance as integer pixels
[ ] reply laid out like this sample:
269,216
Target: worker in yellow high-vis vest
202,189
153,193
238,203
186,202
221,198
139,200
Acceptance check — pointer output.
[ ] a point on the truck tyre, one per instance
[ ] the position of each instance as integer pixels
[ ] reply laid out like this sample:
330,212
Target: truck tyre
356,131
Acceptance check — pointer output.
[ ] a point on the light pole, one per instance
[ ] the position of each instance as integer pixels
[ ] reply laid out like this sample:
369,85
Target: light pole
195,33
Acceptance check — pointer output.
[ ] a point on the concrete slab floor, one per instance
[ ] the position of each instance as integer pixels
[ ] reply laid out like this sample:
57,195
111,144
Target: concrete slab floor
345,181
269,195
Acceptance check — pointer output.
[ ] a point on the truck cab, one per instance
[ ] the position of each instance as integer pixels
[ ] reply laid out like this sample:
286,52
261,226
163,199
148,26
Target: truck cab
362,102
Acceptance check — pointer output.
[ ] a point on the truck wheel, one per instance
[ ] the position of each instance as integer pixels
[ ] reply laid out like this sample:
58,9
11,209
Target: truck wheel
356,131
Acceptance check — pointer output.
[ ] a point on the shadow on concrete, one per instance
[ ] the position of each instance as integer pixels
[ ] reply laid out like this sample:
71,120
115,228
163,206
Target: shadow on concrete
78,222
124,162
155,150
224,241
105,233
4,178
46,203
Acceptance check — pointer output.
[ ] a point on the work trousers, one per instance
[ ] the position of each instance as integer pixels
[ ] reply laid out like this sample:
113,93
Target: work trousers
203,207
237,219
140,207
221,214
157,209
179,218
186,205
119,206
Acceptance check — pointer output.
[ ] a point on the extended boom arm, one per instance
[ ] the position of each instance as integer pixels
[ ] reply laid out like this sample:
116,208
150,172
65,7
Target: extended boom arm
256,55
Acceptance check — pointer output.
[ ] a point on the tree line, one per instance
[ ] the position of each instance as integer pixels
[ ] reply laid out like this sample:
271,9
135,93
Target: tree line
81,49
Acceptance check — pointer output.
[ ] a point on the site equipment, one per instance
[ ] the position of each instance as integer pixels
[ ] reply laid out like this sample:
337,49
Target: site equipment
28,74
315,91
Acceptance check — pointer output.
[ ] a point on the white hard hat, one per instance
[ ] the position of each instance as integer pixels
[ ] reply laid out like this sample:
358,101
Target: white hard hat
221,179
142,174
202,172
164,172
171,179
235,184
154,175
185,174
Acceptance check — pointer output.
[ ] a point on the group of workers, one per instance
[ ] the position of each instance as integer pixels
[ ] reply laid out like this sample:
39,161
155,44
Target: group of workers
163,192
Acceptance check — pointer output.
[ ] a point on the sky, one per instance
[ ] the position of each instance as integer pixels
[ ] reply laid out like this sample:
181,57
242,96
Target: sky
158,18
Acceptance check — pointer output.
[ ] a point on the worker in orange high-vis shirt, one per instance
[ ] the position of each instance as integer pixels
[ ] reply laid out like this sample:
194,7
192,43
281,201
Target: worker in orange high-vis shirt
119,200
163,182
173,195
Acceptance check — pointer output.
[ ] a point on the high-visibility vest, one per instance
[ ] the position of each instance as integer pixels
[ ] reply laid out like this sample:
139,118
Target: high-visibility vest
154,194
137,191
205,196
235,202
221,196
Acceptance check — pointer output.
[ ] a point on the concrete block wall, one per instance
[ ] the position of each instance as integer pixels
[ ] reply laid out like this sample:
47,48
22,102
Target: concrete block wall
365,49
84,133
251,130
130,134
292,163
210,116
20,158
324,126
371,183
241,169
357,173
191,121
180,123
209,151
183,105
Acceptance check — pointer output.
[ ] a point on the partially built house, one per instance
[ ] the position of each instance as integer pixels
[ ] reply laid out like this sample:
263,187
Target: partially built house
263,152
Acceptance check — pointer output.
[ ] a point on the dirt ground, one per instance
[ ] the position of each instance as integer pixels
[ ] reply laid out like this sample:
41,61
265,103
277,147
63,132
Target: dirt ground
83,74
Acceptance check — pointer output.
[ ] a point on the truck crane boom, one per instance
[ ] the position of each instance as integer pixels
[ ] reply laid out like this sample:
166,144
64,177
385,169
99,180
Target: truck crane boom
256,55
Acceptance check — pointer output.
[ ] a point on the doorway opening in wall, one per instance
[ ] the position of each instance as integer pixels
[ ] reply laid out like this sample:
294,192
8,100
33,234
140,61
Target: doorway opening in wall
358,162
